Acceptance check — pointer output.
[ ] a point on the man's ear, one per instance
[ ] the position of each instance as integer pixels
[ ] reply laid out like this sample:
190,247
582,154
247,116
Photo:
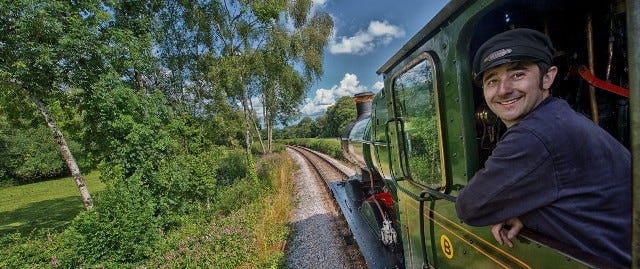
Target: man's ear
547,79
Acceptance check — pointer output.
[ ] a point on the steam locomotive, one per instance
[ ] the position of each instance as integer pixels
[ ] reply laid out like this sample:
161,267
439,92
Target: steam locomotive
419,140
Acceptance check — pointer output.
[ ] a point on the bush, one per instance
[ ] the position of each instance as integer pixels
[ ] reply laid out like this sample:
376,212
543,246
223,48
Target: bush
32,154
233,167
277,147
236,196
225,242
249,232
38,251
186,181
128,217
121,228
272,228
245,227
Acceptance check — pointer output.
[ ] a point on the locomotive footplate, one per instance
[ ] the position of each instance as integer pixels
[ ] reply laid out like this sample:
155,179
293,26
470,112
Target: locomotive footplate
374,252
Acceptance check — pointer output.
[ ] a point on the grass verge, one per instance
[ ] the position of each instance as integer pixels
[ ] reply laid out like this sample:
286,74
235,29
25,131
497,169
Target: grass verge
47,205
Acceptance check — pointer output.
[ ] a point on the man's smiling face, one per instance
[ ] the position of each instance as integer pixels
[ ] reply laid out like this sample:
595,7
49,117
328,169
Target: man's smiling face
513,90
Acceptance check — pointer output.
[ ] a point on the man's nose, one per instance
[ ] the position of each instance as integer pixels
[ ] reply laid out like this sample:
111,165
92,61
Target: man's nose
505,87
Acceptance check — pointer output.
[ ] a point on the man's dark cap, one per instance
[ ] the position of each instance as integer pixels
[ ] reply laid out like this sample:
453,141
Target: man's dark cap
511,46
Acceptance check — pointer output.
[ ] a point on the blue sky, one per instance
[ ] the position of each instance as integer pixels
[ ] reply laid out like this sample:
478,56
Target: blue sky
366,34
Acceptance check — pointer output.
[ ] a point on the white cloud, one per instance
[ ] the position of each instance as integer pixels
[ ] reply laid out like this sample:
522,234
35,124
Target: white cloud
349,85
319,104
363,42
324,97
318,2
378,86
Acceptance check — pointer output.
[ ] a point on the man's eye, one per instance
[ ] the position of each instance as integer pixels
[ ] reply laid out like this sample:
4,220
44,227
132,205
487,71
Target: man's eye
518,75
490,83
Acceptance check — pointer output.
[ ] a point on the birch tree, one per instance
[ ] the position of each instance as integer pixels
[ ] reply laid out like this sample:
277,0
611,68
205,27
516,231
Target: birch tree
47,51
249,49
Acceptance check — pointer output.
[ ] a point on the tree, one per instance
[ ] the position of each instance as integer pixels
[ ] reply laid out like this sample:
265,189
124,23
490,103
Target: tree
265,49
254,53
50,49
340,115
319,127
181,38
224,123
129,35
303,128
287,47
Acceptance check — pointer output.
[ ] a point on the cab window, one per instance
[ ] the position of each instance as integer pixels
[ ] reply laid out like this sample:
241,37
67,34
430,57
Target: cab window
416,104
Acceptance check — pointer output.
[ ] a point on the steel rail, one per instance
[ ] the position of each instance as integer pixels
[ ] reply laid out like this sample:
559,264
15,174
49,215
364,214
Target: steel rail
305,152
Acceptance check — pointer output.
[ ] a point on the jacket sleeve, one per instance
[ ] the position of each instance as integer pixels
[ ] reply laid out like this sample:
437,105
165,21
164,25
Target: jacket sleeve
518,177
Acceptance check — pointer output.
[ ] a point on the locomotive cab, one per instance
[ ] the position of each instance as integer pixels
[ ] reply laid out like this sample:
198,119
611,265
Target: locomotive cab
429,129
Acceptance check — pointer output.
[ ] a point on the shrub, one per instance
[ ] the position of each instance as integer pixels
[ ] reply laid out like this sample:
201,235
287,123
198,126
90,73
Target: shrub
236,196
277,148
32,154
233,167
37,251
186,181
272,227
245,227
248,233
126,220
122,228
225,242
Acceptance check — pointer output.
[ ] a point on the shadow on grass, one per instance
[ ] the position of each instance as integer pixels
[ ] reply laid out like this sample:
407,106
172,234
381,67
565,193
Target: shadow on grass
53,215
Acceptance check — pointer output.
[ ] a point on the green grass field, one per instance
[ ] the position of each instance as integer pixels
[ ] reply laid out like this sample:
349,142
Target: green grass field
44,205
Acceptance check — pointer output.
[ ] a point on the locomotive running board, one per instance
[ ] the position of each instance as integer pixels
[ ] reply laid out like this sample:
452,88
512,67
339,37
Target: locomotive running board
374,252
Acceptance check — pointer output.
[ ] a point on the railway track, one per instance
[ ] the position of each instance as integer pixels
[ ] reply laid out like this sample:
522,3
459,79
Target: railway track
327,171
324,167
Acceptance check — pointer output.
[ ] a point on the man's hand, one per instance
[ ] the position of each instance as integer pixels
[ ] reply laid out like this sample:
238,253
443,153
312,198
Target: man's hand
501,236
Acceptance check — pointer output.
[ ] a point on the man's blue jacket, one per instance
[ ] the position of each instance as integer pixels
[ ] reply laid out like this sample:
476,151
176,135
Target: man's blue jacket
563,176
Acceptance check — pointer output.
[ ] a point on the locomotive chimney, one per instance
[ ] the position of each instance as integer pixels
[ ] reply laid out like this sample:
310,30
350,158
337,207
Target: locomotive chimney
363,104
363,108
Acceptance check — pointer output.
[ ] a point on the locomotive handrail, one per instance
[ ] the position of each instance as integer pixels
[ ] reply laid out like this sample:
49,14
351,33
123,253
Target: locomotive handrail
376,143
633,22
402,154
386,132
438,194
425,257
431,192
403,160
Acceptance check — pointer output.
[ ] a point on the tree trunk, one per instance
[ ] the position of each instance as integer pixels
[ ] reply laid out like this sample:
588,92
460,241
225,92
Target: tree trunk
266,115
267,123
247,119
255,125
138,81
269,127
64,148
269,135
